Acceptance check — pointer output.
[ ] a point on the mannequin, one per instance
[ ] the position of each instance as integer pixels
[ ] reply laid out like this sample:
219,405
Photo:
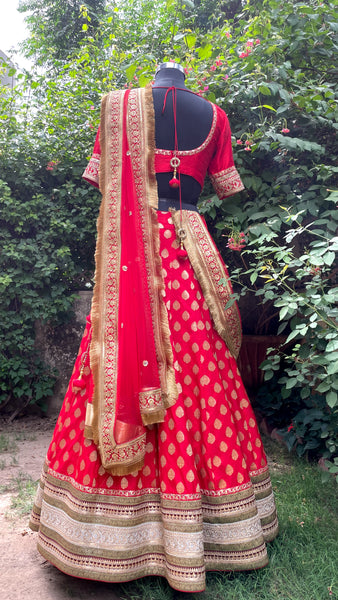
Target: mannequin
156,466
191,110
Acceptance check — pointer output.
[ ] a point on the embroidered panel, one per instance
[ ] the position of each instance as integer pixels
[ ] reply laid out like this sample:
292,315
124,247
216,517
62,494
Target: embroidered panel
98,535
150,401
92,170
227,182
102,535
226,533
188,545
209,270
266,506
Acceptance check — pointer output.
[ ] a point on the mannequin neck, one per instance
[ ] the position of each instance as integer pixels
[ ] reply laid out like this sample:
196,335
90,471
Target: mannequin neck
169,77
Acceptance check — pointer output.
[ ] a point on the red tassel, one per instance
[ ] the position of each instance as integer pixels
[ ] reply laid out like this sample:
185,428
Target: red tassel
182,253
174,182
79,383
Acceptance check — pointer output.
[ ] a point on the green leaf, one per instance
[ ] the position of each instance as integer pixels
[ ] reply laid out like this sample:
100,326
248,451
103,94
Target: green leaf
332,369
130,72
292,335
285,95
332,399
205,52
329,258
283,312
190,40
323,387
332,346
291,382
264,90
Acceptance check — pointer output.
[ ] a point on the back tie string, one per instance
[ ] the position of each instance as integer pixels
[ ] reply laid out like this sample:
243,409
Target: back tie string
175,181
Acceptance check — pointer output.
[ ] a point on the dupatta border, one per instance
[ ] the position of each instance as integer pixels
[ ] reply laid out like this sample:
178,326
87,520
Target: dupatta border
209,270
123,458
143,154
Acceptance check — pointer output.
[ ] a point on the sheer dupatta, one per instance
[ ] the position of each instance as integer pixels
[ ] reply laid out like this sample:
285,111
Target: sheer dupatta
131,356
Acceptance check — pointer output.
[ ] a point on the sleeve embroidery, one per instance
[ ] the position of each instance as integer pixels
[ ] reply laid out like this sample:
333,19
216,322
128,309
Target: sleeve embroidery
227,182
91,172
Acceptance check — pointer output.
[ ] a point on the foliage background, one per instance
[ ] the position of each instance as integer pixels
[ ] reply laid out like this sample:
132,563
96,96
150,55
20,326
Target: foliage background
271,66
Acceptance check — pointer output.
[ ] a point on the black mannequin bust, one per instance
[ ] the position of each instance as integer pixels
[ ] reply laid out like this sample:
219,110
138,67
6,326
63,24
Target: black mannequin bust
194,120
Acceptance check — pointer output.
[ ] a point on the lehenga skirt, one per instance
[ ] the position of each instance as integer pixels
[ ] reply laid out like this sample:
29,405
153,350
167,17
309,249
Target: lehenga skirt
203,500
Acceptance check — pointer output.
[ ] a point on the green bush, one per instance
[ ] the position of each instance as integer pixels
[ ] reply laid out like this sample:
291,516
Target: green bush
270,64
280,97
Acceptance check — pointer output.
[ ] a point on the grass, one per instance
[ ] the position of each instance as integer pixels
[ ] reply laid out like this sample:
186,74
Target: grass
24,489
25,436
7,443
4,464
22,485
22,502
303,559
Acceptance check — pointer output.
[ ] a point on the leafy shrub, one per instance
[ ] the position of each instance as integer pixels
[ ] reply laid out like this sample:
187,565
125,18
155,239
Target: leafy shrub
270,65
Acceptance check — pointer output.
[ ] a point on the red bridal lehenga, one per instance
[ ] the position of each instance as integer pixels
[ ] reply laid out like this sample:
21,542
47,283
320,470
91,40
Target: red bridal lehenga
189,491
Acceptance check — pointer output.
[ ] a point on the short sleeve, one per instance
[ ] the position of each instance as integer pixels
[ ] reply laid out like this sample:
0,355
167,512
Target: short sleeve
222,171
91,172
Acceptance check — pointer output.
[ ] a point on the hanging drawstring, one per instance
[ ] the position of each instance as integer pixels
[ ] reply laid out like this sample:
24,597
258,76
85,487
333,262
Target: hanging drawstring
175,161
175,181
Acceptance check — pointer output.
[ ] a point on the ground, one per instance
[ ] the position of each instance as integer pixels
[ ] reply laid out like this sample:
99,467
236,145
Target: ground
25,574
303,558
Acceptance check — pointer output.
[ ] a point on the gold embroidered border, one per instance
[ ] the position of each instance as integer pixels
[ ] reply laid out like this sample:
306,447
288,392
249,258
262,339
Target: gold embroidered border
209,270
116,538
141,128
239,561
227,182
270,530
151,406
105,305
115,504
91,171
184,576
186,579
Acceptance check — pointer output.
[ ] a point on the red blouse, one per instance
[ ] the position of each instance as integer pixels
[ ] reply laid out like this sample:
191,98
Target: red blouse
214,156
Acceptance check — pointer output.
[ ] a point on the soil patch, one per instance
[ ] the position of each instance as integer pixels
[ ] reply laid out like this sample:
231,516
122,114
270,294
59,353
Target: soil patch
25,574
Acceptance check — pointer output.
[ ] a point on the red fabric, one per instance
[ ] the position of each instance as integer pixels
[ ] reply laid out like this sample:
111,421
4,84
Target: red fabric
136,346
209,440
91,173
213,155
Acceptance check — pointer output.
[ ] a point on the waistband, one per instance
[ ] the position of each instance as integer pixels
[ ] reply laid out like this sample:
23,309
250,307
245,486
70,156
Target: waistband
165,204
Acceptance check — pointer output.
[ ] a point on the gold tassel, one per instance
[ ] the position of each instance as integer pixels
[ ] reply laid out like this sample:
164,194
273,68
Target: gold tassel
88,430
123,469
153,417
